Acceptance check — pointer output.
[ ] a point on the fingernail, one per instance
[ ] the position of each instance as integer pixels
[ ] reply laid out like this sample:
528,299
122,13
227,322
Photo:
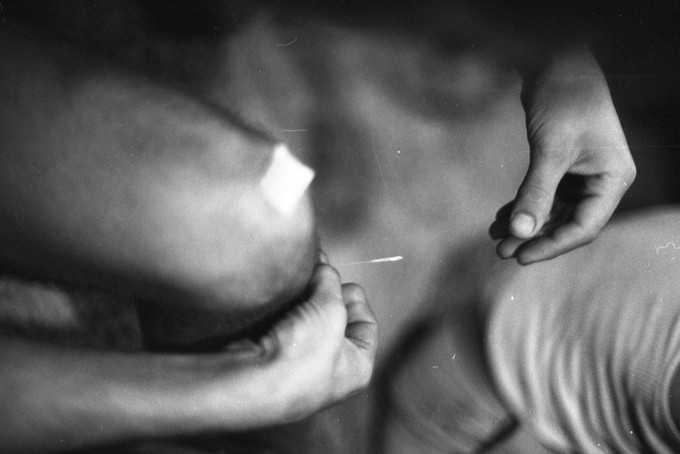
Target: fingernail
523,224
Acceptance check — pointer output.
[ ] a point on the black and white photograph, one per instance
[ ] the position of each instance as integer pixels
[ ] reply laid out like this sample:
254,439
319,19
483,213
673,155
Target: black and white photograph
339,227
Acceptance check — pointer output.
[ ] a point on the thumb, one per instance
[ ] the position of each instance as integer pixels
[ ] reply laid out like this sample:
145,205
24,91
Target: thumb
535,196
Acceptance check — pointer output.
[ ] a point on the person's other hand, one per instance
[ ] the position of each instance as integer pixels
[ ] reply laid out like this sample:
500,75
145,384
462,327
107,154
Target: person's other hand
580,164
324,349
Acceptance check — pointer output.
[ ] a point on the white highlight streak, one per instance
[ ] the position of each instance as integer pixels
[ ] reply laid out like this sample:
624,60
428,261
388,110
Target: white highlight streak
287,44
396,258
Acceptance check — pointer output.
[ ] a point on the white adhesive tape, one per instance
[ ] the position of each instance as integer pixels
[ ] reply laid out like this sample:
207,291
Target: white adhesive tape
285,181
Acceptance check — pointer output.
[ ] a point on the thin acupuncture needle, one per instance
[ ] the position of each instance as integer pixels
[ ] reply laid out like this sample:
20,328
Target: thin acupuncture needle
396,258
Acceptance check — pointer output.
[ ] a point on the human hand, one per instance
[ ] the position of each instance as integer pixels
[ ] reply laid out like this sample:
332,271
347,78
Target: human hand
322,351
580,164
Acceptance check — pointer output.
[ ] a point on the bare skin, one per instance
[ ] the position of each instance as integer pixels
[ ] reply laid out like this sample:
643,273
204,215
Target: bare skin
170,208
111,181
611,308
59,398
135,186
575,354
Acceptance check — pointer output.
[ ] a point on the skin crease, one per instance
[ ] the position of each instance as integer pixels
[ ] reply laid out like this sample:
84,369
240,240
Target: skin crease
618,349
626,276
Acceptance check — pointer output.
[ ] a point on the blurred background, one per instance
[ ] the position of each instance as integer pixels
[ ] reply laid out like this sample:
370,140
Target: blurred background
410,114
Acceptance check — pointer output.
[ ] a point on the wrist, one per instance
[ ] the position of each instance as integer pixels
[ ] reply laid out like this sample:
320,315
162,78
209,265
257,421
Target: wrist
566,67
569,85
246,389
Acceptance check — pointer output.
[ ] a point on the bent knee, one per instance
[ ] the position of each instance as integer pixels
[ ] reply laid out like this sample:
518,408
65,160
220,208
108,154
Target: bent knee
227,246
274,260
234,260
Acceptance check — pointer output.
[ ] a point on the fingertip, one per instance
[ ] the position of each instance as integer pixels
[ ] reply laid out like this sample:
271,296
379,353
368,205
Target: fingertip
352,292
357,305
326,275
502,252
325,268
564,239
523,224
507,247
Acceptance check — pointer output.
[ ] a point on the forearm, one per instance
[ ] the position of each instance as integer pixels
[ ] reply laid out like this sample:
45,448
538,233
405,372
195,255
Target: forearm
321,351
118,180
55,398
568,89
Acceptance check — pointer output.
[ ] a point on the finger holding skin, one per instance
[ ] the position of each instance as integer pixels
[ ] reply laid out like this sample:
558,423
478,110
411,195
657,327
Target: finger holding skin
570,227
327,295
325,347
561,212
509,244
362,327
579,221
588,219
507,247
298,335
361,341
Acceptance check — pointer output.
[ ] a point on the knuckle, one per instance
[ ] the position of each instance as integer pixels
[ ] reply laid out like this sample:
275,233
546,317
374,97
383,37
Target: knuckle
365,344
542,149
535,194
